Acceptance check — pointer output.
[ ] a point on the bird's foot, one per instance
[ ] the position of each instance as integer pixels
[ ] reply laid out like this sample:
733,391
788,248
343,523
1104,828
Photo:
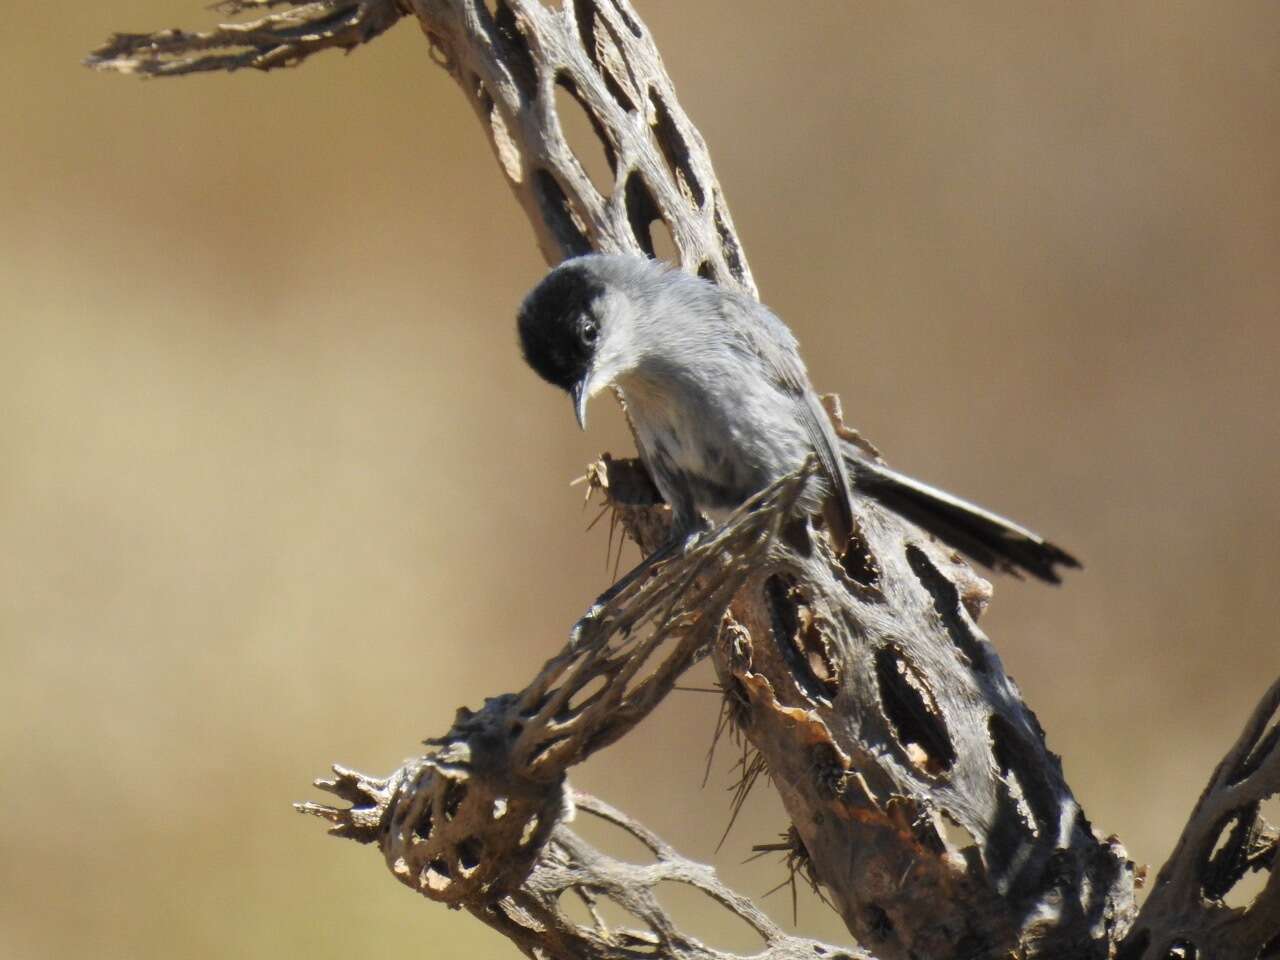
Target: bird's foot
581,634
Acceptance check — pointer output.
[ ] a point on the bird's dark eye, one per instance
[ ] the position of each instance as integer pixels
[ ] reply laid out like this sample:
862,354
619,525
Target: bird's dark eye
589,331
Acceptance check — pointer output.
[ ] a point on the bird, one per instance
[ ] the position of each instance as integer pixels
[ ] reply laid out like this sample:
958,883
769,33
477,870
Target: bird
721,406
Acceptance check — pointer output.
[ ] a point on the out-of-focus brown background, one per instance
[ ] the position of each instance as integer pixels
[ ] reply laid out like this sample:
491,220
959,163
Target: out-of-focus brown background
277,489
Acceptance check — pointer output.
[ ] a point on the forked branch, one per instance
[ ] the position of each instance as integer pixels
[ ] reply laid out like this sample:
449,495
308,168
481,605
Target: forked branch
480,822
281,39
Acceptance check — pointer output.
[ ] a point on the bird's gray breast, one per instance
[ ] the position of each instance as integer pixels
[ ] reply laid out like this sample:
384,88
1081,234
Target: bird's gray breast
711,449
697,467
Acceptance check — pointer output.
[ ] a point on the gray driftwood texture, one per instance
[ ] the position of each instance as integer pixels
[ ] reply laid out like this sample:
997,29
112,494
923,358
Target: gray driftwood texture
922,795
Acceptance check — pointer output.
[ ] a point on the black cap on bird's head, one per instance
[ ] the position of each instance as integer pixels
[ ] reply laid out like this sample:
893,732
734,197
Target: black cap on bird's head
559,330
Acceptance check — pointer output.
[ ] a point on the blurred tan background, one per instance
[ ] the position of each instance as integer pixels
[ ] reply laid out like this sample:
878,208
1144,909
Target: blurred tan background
268,445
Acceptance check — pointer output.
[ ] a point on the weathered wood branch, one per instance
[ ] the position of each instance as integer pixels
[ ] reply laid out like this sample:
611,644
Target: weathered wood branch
480,822
917,779
282,39
918,782
509,59
1226,838
532,915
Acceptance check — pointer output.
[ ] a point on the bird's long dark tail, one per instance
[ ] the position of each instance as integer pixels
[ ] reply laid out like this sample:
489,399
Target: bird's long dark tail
983,536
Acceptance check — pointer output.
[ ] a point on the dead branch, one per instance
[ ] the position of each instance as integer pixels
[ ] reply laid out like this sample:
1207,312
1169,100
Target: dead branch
532,915
480,821
919,783
282,39
1226,838
464,823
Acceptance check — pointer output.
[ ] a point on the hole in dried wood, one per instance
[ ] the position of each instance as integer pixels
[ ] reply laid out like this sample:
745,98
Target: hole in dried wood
504,145
623,642
587,139
454,793
656,660
859,564
1134,946
435,875
820,665
800,640
642,213
913,713
632,930
795,533
1263,745
1259,853
1226,859
573,907
707,271
675,149
829,773
586,696
957,836
530,829
467,853
364,804
1245,892
1271,949
1021,765
876,920
531,709
729,243
664,244
611,839
499,21
946,603
1016,798
1269,814
422,828
1007,744
568,225
696,914
604,47
1183,950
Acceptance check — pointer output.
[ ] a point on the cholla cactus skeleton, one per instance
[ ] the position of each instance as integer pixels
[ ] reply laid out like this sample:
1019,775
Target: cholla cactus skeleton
919,783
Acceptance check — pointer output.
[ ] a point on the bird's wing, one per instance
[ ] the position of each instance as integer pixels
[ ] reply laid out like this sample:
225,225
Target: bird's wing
823,438
773,342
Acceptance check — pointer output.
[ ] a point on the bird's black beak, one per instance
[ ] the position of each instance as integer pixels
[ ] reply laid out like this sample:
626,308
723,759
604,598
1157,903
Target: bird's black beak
579,393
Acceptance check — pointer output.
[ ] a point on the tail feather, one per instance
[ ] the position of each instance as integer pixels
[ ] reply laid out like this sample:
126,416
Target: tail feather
984,537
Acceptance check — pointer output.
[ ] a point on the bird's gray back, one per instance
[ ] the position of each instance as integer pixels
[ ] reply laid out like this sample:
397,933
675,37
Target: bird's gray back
720,399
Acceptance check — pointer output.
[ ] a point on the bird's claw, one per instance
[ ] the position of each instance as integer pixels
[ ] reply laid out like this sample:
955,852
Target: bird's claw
586,622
